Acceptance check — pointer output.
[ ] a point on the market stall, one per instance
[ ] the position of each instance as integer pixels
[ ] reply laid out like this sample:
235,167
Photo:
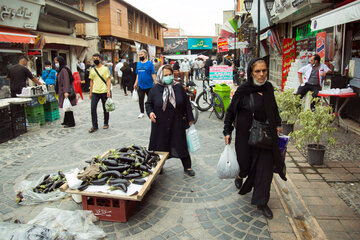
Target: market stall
113,194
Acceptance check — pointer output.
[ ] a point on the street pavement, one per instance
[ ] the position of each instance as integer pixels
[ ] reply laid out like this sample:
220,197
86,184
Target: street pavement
177,206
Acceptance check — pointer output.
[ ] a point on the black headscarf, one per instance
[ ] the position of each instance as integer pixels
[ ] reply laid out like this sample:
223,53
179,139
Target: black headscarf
271,112
62,64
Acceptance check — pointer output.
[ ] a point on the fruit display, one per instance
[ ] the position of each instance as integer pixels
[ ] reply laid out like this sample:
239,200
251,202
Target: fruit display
121,167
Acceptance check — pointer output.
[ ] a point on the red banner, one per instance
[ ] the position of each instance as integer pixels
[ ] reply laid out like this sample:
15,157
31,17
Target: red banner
320,44
289,51
223,45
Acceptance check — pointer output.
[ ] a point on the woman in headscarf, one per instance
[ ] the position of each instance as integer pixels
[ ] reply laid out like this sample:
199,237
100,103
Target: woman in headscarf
64,83
257,164
169,110
127,80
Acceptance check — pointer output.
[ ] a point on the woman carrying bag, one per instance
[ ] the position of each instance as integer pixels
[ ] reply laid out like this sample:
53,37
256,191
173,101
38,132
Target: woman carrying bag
169,110
254,102
65,90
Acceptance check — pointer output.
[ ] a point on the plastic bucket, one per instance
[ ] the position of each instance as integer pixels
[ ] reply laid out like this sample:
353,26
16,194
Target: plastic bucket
224,91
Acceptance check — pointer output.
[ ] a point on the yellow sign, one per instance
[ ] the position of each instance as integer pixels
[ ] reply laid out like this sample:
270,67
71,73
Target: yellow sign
41,99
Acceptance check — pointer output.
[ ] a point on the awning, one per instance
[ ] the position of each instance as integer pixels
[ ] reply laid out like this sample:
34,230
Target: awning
345,14
48,38
16,36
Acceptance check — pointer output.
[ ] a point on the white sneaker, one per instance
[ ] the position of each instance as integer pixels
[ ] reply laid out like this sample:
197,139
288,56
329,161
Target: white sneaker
141,115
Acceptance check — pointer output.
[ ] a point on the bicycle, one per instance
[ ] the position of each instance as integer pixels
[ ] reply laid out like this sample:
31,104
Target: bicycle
208,98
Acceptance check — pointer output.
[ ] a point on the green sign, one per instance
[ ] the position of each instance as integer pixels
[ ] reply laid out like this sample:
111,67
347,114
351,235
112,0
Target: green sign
304,32
200,43
177,53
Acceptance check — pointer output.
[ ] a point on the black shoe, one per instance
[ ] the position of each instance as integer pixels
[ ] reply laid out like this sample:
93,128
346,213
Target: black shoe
63,124
189,172
238,182
266,211
162,171
91,130
69,126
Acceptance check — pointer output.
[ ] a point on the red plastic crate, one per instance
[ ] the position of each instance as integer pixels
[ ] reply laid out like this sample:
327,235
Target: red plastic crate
109,209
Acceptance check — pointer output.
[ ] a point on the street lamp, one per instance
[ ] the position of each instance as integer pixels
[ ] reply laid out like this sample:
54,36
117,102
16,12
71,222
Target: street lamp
269,6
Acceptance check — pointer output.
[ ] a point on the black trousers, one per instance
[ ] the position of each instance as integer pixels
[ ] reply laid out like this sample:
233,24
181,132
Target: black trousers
302,90
15,91
263,176
186,162
95,98
141,93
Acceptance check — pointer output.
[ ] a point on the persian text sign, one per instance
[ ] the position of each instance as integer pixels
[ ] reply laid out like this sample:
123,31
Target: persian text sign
200,43
221,74
320,44
222,45
289,50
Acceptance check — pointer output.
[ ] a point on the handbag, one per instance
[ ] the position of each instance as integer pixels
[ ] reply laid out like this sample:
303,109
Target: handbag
72,94
259,132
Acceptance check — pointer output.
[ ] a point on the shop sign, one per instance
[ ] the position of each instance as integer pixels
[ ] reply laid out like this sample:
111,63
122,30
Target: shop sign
296,3
20,14
222,45
304,32
200,43
35,52
173,45
289,51
221,74
320,44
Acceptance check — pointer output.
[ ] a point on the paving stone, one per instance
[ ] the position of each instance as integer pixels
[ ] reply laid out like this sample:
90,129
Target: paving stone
228,229
178,229
238,234
250,237
224,237
242,226
167,234
214,232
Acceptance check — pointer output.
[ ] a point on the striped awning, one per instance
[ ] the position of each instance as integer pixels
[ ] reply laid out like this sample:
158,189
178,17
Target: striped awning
16,36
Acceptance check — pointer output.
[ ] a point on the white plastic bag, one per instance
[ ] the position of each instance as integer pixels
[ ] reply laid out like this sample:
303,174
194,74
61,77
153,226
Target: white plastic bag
109,105
67,105
79,223
30,197
228,166
192,139
135,96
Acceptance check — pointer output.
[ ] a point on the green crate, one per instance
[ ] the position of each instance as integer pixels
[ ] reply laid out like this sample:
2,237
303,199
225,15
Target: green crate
52,116
36,119
34,111
51,106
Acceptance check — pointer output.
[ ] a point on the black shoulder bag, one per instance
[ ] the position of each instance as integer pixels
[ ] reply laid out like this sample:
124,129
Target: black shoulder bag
260,131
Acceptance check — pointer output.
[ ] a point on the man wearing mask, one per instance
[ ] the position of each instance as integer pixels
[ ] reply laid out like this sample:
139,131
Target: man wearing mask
185,69
49,74
311,76
100,84
18,74
145,78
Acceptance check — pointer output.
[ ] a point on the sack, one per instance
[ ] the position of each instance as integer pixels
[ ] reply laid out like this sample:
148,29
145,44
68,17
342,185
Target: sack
72,94
135,96
67,105
185,122
228,166
109,105
192,139
260,135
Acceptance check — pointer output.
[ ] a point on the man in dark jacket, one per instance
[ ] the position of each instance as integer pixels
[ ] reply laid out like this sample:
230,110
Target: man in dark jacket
18,74
208,64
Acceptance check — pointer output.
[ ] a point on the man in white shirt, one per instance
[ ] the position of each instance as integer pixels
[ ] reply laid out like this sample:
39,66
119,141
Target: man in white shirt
197,68
311,76
118,72
185,68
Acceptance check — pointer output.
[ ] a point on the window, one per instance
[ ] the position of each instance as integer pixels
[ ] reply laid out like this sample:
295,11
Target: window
118,17
141,24
137,23
131,20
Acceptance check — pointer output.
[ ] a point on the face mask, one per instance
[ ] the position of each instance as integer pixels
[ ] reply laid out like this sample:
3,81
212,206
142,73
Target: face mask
168,79
47,68
96,62
57,65
142,58
256,83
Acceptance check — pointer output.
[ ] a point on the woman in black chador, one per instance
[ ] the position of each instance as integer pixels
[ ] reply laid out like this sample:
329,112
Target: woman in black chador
166,106
257,164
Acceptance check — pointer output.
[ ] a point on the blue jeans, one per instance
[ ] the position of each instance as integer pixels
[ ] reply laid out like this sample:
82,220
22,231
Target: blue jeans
94,102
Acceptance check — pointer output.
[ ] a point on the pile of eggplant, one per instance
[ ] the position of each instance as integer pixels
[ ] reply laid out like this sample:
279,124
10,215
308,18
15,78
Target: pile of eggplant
50,184
122,167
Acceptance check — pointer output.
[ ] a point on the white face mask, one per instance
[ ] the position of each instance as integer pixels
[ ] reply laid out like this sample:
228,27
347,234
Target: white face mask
57,65
256,83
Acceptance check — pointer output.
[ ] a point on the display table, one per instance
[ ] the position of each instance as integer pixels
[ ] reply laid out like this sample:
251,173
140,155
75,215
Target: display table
338,108
115,207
